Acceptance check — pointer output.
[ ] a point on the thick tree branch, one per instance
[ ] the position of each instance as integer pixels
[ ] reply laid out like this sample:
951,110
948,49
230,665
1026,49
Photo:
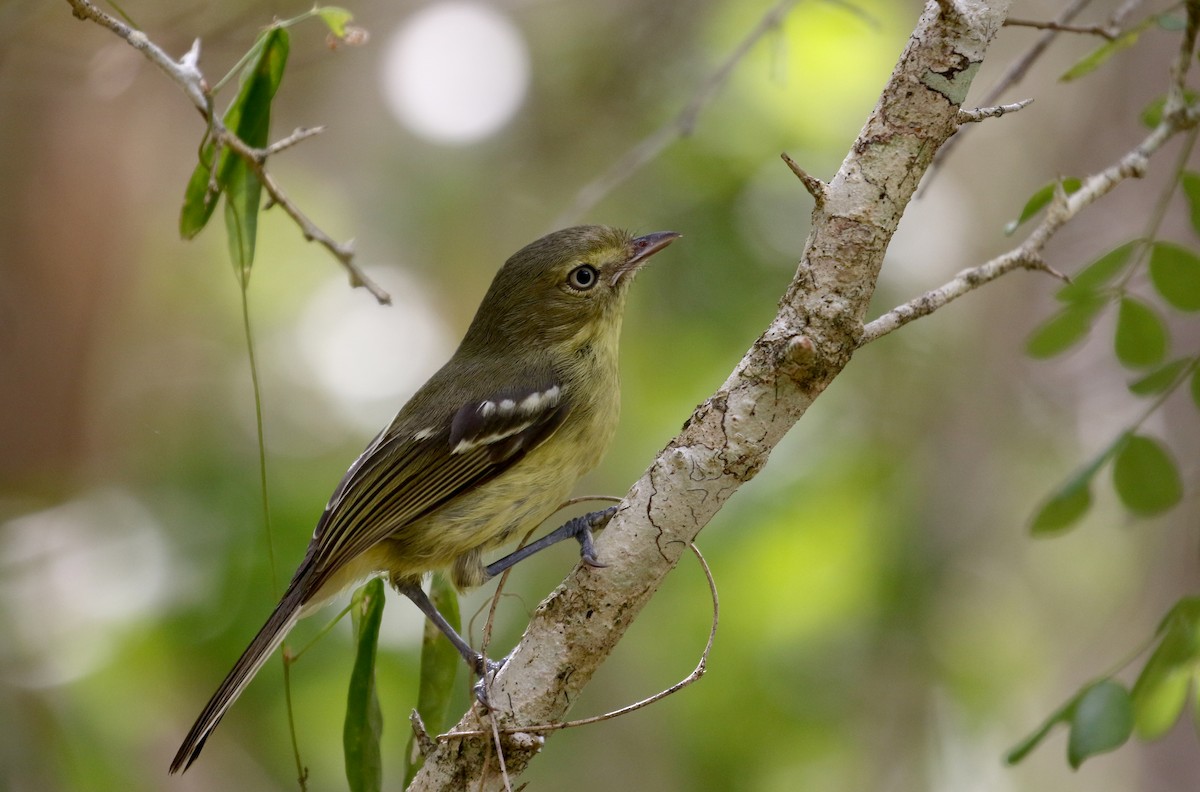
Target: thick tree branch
729,437
186,74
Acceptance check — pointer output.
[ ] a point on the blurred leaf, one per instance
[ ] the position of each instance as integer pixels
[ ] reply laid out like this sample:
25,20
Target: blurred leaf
1102,720
1145,476
1170,22
1061,715
1175,272
335,19
1041,199
1065,507
1159,380
198,202
1097,57
1196,387
364,721
1191,190
1063,330
1153,114
1088,280
1141,338
1161,689
440,662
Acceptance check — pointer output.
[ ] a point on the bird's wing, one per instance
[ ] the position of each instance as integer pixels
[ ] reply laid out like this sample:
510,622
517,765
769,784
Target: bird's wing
405,474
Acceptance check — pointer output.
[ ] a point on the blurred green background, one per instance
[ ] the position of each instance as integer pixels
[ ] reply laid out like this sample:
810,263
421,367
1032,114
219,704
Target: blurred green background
887,623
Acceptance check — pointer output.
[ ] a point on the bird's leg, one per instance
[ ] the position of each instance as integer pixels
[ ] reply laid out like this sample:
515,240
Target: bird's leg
579,528
478,663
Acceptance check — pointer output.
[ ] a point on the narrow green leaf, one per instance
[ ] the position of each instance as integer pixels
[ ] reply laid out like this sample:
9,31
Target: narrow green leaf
1061,715
1041,199
198,202
1175,272
1161,379
440,662
1063,330
1085,283
1145,477
1191,190
1141,338
1196,387
1097,57
335,19
1065,507
1101,721
364,721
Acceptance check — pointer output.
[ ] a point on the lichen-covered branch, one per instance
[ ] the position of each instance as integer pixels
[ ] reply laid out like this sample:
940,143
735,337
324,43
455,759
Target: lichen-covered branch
730,437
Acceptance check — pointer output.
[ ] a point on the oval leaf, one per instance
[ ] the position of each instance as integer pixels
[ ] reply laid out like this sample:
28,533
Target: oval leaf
1145,477
1063,330
1102,721
1175,272
1158,704
1088,280
1141,338
1064,508
1160,380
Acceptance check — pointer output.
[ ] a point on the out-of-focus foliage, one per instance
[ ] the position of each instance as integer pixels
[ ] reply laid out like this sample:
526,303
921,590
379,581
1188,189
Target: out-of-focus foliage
886,622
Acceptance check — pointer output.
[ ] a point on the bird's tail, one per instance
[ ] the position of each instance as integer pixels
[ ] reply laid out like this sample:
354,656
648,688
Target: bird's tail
264,644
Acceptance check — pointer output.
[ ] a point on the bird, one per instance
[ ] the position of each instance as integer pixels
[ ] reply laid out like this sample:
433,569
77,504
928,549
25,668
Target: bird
488,448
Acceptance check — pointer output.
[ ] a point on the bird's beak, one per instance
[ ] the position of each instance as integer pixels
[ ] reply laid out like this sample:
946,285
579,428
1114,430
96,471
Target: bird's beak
642,248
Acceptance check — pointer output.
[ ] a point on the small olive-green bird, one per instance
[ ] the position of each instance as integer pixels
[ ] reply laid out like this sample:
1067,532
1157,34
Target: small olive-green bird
490,446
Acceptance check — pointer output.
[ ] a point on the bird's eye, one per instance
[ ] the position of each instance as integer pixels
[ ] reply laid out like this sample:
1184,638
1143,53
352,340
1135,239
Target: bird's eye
583,277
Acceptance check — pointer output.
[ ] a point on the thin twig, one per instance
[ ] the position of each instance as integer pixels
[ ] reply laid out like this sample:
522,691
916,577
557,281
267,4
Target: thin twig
995,111
188,77
697,672
816,188
1029,254
1103,31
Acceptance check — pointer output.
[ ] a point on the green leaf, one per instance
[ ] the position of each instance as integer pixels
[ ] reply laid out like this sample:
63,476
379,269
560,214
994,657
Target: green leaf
1041,199
440,662
1196,387
364,721
1085,283
1161,379
248,117
1175,272
1145,476
1191,190
1152,116
1141,338
1161,689
1097,57
1102,720
1065,507
1063,330
335,19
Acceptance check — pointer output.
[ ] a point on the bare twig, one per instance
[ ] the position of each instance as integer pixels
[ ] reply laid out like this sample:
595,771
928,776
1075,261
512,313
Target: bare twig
1028,255
816,188
980,113
186,74
697,672
1104,31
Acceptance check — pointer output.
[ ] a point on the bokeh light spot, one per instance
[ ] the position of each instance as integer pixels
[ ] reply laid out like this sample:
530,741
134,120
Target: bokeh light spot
456,72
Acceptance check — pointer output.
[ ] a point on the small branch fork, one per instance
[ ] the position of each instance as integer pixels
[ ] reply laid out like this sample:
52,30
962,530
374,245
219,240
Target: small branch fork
186,74
1177,117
